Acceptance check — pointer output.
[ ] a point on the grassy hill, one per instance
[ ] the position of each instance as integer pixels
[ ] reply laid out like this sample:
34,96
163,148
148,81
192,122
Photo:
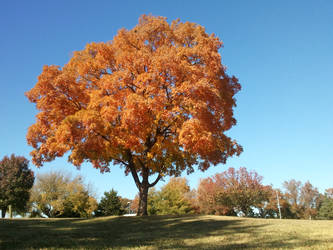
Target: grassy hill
165,232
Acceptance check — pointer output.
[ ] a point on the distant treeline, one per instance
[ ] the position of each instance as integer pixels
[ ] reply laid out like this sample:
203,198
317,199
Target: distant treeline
241,193
234,192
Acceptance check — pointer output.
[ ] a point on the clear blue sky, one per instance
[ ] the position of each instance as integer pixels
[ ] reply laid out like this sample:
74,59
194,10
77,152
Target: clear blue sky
280,50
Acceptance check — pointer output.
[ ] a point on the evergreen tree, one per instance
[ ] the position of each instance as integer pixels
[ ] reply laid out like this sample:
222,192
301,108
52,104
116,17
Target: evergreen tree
110,204
326,209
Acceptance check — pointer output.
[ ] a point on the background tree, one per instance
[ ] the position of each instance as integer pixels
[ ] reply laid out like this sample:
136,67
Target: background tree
79,200
309,199
206,197
174,198
56,194
304,199
154,200
269,208
240,190
16,180
48,194
292,194
326,206
326,209
156,100
110,204
125,204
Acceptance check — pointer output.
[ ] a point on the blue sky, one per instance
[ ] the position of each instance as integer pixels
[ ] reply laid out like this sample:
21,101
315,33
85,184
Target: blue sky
281,51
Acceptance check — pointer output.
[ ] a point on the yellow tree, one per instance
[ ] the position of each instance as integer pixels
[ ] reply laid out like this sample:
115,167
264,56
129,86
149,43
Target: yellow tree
58,195
156,100
175,198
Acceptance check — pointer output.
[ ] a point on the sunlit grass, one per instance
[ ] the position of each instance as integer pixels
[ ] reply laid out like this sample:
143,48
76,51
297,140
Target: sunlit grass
165,232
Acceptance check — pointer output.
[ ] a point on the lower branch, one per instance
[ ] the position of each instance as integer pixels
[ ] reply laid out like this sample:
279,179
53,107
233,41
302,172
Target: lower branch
156,181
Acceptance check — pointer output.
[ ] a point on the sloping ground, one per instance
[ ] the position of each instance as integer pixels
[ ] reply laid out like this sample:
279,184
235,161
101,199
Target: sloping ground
165,232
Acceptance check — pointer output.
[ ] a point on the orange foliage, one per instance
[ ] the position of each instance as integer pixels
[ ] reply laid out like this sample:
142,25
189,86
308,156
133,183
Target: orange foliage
206,195
155,99
232,191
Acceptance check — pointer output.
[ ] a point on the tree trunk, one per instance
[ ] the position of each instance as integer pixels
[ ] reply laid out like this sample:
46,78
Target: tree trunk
10,212
143,185
143,195
3,212
143,201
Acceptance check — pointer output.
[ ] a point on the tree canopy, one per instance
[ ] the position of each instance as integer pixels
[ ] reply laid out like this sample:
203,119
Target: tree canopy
16,180
156,99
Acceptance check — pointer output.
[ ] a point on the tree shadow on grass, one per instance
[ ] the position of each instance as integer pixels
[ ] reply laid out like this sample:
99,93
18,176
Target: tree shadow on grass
155,232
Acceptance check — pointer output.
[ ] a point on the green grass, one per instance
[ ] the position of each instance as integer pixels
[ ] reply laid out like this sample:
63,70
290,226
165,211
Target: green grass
165,232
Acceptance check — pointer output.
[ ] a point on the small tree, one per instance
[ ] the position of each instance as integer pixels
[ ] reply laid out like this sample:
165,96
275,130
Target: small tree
240,190
110,204
78,200
16,180
326,206
304,199
154,199
309,200
326,209
206,197
293,194
58,195
174,198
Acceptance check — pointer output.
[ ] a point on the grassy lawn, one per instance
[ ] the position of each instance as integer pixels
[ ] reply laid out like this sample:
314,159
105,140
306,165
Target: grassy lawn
165,232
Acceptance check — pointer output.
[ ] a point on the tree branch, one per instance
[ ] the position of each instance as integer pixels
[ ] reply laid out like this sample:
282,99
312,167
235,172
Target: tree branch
108,140
103,136
141,163
155,182
133,170
123,162
133,45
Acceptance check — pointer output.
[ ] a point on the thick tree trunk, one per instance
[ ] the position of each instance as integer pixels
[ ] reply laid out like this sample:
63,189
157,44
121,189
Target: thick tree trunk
3,212
143,201
143,195
143,185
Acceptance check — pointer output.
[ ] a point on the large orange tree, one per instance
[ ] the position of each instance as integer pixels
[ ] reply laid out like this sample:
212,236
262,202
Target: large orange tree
156,100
